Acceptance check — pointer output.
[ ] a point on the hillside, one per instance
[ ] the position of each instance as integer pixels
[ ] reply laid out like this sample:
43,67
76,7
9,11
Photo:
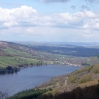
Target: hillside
86,76
12,54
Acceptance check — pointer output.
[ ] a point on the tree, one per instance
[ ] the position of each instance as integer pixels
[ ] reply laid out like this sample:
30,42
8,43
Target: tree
3,95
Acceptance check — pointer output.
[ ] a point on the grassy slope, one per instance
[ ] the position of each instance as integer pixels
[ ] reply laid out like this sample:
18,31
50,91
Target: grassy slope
12,54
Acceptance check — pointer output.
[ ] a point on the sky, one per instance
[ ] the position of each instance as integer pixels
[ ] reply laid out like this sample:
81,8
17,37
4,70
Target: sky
49,20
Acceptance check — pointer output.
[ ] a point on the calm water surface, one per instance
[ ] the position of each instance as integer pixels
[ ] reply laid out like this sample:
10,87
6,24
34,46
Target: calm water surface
32,76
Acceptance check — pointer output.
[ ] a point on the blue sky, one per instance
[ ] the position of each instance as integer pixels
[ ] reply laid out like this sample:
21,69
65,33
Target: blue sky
49,20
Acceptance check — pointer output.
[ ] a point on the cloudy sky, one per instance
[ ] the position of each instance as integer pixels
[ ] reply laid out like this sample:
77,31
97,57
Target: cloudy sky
49,20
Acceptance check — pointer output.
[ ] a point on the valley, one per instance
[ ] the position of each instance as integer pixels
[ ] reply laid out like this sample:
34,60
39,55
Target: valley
14,56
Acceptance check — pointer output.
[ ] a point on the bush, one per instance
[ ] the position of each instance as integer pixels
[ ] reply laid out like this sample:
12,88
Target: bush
86,78
72,79
84,69
95,69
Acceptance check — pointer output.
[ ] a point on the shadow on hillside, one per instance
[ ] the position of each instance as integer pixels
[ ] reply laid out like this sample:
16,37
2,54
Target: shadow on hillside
91,92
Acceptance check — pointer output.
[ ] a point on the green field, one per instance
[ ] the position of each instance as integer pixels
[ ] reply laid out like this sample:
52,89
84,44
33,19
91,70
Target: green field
18,55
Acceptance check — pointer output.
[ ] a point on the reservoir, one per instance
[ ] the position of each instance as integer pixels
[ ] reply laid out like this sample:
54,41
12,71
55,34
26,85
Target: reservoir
30,77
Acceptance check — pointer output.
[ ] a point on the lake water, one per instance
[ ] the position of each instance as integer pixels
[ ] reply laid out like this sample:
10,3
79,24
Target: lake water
30,77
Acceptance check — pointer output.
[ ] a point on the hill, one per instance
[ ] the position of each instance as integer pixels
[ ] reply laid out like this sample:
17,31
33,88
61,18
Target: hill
84,77
12,54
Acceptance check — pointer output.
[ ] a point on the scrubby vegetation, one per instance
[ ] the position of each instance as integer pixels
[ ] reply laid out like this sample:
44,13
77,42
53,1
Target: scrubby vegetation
81,76
86,76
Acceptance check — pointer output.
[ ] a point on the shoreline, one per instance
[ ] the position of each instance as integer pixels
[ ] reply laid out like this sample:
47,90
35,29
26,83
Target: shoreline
15,69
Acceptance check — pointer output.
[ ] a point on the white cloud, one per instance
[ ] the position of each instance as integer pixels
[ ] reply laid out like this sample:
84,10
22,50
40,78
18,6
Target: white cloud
27,16
27,21
85,26
9,24
90,14
17,16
